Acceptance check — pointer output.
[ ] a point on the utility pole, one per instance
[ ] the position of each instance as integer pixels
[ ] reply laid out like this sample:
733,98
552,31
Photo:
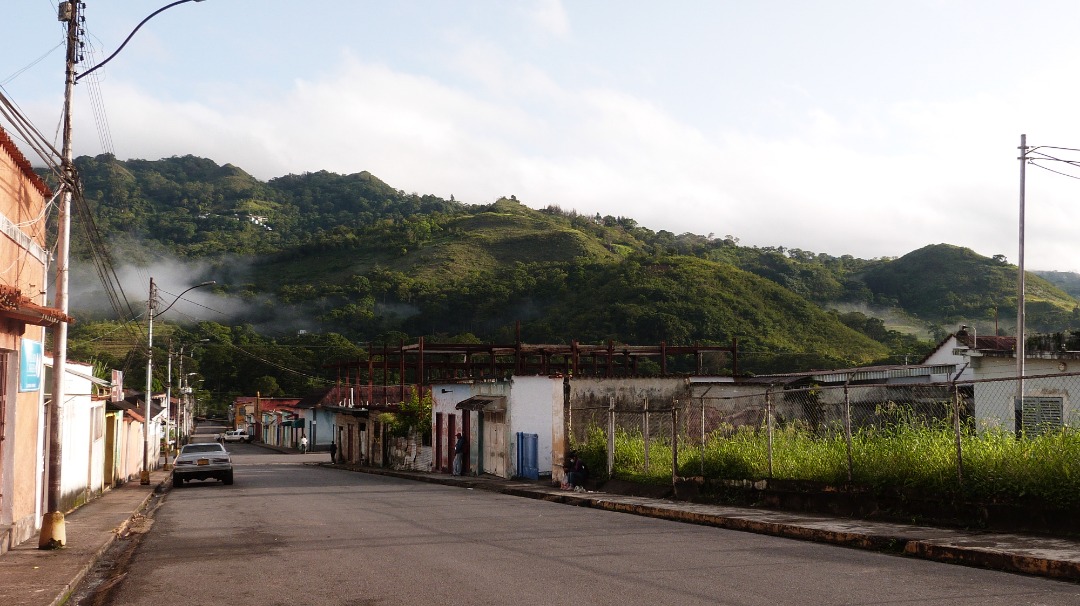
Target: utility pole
53,533
168,407
53,529
1020,282
144,476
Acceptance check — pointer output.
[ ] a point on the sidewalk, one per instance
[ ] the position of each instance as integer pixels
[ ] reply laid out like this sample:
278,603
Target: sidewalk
36,577
33,577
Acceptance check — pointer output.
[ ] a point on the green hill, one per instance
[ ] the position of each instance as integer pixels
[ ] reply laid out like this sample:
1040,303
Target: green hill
954,285
352,256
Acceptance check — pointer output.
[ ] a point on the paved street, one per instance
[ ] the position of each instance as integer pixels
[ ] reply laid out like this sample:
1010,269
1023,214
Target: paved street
293,533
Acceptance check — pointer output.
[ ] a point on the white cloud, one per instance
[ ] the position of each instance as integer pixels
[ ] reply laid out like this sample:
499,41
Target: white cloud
550,16
866,179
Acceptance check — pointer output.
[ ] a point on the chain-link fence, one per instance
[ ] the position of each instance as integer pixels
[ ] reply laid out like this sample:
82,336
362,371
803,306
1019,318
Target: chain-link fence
975,438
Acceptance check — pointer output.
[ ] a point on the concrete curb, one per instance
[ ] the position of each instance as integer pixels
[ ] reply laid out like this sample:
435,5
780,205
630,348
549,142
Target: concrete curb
65,594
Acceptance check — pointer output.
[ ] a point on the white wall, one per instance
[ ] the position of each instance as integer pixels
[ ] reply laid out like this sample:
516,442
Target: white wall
83,439
944,355
131,455
530,409
533,405
995,400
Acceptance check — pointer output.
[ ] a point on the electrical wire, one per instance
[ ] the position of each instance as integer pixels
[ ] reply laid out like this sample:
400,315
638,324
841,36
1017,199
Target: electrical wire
274,364
102,259
97,101
195,304
18,73
1046,168
30,135
1052,147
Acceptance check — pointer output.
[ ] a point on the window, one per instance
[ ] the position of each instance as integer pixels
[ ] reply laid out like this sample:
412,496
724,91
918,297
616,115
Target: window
1039,414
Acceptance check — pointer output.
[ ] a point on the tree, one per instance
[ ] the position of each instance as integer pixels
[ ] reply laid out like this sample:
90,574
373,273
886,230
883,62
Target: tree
267,387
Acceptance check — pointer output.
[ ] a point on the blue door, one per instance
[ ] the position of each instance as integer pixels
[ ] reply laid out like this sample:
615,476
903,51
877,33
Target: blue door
528,466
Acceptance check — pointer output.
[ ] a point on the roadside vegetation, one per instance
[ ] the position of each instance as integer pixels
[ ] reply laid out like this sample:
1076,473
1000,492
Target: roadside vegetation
998,467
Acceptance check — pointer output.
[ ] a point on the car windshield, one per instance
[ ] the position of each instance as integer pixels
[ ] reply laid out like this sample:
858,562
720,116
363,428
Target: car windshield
190,448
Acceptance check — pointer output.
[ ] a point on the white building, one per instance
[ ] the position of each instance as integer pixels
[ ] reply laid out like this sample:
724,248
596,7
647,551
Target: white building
511,426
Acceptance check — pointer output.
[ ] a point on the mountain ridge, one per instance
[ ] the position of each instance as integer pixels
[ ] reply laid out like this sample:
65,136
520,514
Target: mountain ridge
348,249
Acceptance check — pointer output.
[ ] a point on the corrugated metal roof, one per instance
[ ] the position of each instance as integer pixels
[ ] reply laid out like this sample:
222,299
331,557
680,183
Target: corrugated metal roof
867,373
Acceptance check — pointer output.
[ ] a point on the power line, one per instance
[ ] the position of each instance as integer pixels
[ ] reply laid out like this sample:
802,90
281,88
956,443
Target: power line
1054,171
19,72
274,364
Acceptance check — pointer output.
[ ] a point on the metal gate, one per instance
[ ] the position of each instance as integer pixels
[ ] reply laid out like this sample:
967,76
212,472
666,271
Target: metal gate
528,466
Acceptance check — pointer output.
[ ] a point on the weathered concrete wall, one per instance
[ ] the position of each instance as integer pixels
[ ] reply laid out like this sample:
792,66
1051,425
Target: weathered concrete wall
590,398
629,393
529,410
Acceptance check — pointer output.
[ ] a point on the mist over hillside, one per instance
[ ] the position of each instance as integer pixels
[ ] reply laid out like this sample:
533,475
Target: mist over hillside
349,254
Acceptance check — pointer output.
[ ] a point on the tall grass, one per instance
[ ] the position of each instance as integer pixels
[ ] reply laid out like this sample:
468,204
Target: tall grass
914,458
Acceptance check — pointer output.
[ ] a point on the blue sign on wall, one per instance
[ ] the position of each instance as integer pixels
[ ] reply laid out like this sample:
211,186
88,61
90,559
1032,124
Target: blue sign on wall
30,365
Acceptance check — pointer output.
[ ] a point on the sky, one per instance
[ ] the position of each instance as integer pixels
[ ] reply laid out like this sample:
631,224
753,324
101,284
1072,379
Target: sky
861,127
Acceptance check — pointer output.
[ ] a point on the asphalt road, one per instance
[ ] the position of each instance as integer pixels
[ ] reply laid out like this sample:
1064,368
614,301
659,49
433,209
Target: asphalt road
291,533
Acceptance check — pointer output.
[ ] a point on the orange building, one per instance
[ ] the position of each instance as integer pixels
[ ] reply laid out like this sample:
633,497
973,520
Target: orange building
23,319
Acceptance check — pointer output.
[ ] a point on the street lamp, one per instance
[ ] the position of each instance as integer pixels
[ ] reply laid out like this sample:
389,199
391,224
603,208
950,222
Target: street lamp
130,36
53,533
144,477
180,414
186,403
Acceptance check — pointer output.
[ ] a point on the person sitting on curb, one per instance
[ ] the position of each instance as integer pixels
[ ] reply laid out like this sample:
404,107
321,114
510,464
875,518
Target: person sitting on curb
576,472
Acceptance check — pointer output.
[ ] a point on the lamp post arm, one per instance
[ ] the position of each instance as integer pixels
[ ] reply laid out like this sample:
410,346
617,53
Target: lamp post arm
181,295
130,36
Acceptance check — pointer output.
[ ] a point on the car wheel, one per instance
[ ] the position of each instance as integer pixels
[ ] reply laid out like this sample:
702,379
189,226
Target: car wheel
177,482
227,479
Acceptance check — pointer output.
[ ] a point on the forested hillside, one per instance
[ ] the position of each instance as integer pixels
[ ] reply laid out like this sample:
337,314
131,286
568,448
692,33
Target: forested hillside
349,256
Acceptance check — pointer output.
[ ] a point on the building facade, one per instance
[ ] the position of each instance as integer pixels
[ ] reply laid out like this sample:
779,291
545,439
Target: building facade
23,320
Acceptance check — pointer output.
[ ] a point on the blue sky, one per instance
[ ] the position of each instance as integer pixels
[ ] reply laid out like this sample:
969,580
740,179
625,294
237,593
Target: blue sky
845,127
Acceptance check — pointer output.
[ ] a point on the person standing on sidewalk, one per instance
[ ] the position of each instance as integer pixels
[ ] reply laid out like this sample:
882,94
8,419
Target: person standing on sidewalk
333,452
459,454
303,444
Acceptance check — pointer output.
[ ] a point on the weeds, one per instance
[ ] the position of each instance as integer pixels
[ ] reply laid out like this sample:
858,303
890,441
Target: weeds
918,458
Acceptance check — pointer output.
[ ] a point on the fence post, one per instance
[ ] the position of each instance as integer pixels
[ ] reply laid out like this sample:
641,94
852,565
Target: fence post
674,441
847,429
956,430
703,438
568,437
645,433
769,427
611,438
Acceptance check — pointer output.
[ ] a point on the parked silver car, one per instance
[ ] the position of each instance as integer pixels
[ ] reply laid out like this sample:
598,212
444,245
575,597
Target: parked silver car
201,462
